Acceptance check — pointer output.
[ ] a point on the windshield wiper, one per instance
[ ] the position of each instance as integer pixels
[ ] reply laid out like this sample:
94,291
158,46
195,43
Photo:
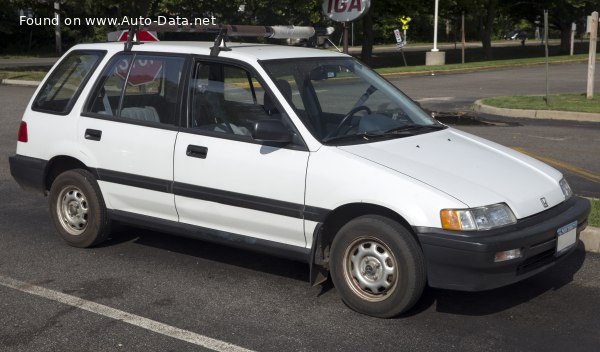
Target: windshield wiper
393,132
365,135
408,128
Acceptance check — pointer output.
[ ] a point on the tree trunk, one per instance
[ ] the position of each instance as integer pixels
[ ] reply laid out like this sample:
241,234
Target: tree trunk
367,46
488,27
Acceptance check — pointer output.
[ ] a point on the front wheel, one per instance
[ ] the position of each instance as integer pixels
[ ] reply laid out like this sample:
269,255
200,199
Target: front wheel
377,266
77,209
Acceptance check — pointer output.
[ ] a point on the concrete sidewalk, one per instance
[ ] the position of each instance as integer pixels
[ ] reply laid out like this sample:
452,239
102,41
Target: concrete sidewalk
479,106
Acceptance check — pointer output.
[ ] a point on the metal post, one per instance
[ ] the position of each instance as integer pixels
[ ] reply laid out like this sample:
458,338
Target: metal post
57,28
462,35
345,35
592,58
573,29
435,26
546,50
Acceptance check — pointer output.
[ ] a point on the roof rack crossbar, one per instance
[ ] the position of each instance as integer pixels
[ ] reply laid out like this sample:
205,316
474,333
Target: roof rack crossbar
224,32
275,32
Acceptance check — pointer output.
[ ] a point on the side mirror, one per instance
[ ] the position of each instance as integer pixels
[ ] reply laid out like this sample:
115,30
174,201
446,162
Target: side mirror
271,131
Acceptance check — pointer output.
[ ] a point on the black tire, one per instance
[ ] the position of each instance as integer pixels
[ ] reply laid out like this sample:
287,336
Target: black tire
390,276
77,209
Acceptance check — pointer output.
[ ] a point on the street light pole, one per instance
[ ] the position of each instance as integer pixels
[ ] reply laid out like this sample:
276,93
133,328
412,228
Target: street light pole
435,26
435,56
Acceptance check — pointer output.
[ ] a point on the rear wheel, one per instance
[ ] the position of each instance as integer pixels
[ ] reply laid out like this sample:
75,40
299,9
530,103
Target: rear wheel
377,266
77,209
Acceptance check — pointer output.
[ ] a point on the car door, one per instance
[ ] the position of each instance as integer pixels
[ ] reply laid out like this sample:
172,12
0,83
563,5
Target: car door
224,179
128,129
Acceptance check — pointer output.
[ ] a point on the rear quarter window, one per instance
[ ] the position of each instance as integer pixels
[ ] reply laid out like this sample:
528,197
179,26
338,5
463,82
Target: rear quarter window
61,90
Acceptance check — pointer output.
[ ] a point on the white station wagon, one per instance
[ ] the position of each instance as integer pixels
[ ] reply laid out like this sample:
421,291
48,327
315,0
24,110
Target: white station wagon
294,152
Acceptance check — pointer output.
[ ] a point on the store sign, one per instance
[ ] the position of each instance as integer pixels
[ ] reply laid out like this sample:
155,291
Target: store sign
345,10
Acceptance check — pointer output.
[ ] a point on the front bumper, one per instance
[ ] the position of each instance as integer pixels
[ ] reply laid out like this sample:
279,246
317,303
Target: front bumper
464,260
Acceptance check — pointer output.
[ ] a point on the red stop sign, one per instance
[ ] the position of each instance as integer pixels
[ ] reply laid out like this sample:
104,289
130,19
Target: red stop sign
143,70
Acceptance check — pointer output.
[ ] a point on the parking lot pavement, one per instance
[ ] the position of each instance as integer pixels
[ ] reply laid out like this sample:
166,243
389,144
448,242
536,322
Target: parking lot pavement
246,299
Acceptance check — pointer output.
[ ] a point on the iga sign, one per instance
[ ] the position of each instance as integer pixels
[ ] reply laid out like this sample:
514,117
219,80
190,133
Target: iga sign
345,10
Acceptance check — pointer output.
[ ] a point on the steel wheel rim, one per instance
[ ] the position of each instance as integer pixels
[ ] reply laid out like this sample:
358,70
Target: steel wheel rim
370,269
72,209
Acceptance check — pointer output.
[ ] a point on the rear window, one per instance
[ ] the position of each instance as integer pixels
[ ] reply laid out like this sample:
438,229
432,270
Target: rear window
62,88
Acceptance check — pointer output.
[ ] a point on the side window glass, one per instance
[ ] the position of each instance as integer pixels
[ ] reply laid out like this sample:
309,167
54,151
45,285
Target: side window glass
140,88
61,90
107,95
230,100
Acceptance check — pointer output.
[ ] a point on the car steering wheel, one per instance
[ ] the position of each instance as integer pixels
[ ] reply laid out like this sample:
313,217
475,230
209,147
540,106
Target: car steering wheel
348,118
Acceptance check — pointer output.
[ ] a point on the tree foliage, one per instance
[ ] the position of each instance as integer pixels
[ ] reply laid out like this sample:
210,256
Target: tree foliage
486,19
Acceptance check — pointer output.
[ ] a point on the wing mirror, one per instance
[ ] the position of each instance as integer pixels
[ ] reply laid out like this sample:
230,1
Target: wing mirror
271,131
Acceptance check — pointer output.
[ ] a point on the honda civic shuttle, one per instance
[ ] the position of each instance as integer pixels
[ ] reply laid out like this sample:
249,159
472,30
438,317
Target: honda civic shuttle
294,152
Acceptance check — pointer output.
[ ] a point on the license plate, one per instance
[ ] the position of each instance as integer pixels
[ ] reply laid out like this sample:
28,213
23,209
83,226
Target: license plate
567,236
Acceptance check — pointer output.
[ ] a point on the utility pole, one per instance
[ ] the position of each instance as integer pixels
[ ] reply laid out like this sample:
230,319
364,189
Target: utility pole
592,59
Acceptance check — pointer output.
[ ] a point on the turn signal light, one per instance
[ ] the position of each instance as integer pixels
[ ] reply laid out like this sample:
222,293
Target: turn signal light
503,256
22,132
450,220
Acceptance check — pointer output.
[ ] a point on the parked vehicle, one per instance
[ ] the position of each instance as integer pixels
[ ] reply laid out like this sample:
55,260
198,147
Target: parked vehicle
516,34
295,152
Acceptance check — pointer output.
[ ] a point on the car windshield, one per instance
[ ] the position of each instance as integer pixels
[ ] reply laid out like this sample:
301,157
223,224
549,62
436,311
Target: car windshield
341,101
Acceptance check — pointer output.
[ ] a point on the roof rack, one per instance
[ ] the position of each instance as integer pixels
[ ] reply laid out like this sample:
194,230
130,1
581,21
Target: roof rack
223,33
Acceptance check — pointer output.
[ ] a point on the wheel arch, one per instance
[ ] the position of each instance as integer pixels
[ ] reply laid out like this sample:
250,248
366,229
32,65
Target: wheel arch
58,165
325,232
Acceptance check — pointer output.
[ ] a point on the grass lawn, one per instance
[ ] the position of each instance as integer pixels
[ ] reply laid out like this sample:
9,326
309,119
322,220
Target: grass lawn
23,75
594,219
479,65
564,102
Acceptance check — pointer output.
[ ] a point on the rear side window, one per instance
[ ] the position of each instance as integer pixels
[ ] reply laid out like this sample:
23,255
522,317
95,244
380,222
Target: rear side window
62,88
139,87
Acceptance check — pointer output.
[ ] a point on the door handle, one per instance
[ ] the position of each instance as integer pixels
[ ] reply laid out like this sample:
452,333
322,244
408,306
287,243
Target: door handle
196,151
93,135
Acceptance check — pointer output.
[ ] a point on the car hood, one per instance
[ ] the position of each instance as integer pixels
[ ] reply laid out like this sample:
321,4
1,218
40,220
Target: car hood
473,170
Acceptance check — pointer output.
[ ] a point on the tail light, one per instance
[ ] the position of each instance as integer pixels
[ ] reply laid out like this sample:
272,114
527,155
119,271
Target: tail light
23,132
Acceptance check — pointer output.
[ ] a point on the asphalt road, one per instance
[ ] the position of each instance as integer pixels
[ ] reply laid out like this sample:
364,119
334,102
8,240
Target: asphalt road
250,300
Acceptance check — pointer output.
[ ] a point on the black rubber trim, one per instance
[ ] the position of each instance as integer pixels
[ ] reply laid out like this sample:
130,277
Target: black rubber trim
281,250
28,172
241,200
268,205
151,183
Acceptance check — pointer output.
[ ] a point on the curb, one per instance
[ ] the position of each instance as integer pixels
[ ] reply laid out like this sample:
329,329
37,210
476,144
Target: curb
478,106
18,82
591,239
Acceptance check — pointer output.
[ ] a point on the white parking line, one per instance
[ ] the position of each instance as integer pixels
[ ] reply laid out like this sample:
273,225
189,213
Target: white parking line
145,323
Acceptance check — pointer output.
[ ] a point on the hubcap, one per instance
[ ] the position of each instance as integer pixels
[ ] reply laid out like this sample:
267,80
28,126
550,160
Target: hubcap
72,210
370,269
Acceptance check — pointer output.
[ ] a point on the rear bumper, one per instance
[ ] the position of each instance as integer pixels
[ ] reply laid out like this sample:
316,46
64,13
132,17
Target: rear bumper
464,260
28,172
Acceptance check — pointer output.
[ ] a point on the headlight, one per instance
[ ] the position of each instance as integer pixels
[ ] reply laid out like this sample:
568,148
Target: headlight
482,218
566,189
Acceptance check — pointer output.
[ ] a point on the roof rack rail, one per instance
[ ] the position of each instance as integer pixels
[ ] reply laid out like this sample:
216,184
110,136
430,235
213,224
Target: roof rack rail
224,32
